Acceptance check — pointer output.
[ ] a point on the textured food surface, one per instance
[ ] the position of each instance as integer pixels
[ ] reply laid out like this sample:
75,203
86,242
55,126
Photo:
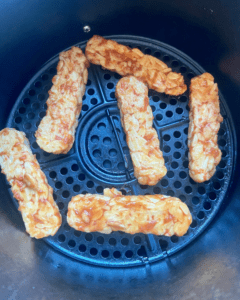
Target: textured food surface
205,119
126,61
142,139
157,214
56,132
29,184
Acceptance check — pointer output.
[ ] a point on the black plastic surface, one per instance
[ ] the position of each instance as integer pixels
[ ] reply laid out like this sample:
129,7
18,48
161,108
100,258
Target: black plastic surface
100,158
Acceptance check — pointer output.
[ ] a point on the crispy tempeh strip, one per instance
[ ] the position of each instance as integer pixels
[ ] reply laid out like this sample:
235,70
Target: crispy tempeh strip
29,184
56,132
142,138
205,118
126,61
156,214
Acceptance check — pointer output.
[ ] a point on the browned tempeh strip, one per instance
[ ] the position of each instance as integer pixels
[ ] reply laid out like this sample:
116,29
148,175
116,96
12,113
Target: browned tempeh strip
156,214
126,61
205,118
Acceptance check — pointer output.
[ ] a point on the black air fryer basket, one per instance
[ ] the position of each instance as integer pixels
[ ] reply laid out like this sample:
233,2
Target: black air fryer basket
100,157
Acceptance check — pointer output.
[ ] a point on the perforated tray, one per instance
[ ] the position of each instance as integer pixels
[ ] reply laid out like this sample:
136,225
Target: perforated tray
100,158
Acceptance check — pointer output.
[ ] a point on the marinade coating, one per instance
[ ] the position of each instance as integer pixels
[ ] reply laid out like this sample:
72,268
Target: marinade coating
28,184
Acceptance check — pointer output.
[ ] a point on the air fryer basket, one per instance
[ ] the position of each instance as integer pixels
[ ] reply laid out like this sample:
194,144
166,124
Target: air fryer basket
100,158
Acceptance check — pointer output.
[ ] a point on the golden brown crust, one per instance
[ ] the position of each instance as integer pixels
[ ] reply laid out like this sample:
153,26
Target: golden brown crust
142,138
205,119
56,132
157,214
29,184
126,61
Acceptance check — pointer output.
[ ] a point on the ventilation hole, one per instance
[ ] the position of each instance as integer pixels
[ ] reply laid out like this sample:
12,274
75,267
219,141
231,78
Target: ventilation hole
105,253
112,152
182,197
185,130
123,192
183,99
60,205
153,108
201,190
90,184
18,120
207,205
110,85
179,110
166,58
65,194
38,84
222,164
164,182
85,107
121,166
54,196
177,184
107,164
71,244
177,134
169,114
170,193
100,240
157,54
200,215
37,123
82,248
76,188
52,174
90,92
142,252
174,239
163,244
93,251
178,145
162,105
31,115
61,238
156,190
186,153
46,153
173,101
175,64
212,196
194,224
183,70
31,93
93,101
64,171
216,185
188,189
124,241
89,82
155,98
22,110
35,145
159,117
185,164
166,149
36,106
112,95
88,237
69,180
107,141
42,114
44,106
195,200
222,143
37,156
77,233
190,75
224,153
147,51
58,185
116,254
81,177
101,126
44,77
75,167
94,139
129,254
177,155
84,97
26,101
67,227
117,76
221,131
166,137
170,174
41,97
187,108
99,189
52,70
107,76
182,174
174,165
143,187
112,242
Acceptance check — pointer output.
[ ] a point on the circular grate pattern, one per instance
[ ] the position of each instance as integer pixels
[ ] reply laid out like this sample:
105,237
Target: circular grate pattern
100,158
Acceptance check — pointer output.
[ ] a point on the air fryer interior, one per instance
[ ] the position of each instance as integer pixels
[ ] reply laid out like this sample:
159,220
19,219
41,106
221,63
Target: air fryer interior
205,31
